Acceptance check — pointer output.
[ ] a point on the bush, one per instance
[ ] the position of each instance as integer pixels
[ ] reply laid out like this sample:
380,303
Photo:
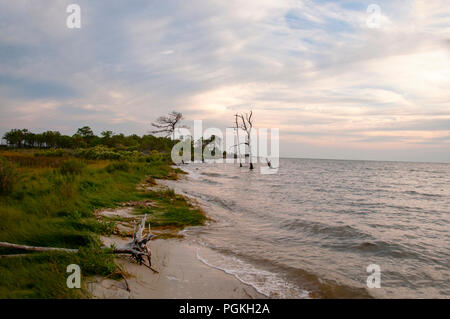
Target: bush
105,153
7,177
118,166
72,167
99,153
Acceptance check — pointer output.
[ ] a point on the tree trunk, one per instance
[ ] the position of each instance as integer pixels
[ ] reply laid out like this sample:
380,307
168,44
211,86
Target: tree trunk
250,150
35,248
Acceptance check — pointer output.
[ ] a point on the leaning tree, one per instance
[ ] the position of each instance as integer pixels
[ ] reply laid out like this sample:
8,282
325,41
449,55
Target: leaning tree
167,124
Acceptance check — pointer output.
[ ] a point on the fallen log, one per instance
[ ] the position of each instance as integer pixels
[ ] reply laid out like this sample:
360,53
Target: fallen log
137,247
35,248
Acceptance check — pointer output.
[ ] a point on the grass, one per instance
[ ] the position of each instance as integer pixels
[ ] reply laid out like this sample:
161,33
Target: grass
172,210
52,204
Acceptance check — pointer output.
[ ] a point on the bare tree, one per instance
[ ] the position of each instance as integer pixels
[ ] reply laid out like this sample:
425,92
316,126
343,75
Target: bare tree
167,124
247,126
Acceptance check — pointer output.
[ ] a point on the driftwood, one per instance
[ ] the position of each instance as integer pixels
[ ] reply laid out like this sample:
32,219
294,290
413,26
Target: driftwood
34,248
137,247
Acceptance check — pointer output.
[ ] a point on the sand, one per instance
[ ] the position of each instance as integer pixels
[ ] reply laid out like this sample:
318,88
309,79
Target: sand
181,275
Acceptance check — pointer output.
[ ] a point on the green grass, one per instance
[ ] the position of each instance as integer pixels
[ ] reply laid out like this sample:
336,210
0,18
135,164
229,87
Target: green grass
49,207
172,210
43,275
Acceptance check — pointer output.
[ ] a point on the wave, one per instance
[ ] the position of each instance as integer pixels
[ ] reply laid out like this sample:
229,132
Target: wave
324,230
267,283
210,182
211,174
375,248
229,205
421,194
295,283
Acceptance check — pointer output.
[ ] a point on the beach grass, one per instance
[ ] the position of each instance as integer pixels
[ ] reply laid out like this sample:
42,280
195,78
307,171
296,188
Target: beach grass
172,210
52,203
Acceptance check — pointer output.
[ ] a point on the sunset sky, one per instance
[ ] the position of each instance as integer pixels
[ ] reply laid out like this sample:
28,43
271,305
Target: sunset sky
314,69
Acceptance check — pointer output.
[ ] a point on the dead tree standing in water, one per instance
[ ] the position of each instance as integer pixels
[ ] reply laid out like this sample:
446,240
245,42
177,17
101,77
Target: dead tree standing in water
237,136
247,126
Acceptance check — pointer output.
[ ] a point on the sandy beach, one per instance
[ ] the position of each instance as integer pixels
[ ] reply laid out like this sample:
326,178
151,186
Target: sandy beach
181,275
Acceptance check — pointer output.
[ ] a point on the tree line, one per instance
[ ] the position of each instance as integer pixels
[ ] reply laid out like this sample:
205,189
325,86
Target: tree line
165,125
85,138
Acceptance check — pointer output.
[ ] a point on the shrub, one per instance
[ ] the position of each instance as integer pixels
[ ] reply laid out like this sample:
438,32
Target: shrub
99,153
118,166
72,167
7,177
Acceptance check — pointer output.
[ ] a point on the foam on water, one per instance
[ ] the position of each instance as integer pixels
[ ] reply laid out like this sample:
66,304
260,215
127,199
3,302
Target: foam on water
265,282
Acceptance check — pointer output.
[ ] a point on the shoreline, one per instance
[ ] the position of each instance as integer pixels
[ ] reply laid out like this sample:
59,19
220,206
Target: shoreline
182,274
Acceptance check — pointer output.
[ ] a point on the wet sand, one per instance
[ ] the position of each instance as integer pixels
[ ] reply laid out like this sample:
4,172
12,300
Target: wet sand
181,275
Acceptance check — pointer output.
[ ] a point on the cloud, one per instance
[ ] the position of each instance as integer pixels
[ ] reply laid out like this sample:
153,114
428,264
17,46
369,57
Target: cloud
312,68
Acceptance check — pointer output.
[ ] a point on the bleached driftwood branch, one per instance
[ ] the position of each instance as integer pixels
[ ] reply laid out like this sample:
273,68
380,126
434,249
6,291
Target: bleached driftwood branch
137,247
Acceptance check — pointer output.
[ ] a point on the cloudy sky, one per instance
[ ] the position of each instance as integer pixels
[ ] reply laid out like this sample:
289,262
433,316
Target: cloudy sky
314,69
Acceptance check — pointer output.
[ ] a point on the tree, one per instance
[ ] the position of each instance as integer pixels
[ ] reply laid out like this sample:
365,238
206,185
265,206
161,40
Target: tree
15,137
107,134
86,133
65,141
107,138
29,138
238,146
78,141
167,124
247,126
51,138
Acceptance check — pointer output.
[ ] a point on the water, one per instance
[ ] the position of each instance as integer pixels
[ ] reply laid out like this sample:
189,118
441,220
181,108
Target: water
311,230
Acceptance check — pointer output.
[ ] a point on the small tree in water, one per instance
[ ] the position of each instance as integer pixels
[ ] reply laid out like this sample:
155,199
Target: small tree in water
247,125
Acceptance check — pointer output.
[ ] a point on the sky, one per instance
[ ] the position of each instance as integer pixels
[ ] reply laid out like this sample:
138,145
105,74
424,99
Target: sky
335,87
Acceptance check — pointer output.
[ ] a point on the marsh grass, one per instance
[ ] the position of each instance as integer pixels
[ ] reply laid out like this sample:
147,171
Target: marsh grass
43,275
7,177
72,167
48,206
172,210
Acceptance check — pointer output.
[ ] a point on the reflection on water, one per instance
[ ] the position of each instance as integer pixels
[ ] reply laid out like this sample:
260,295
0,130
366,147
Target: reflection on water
317,224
